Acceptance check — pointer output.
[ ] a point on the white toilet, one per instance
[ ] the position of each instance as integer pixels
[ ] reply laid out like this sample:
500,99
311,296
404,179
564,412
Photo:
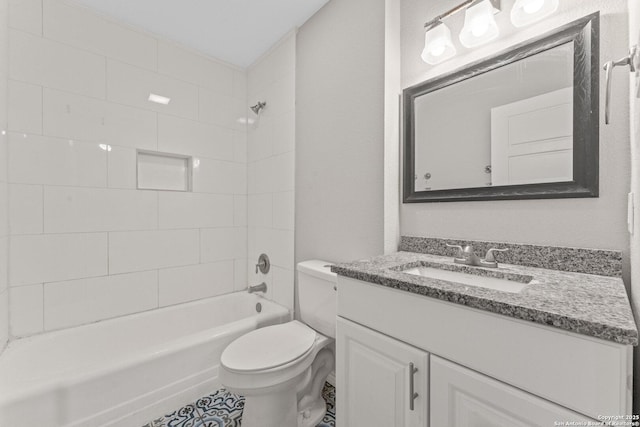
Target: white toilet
281,369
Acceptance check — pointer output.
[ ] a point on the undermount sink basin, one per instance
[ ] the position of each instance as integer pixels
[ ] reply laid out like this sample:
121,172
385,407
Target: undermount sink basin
495,283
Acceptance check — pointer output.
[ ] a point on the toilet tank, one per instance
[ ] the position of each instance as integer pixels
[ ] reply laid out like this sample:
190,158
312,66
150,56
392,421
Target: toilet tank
317,296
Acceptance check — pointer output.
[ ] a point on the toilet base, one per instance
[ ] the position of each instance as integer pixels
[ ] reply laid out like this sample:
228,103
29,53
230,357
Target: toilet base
311,406
312,416
297,403
275,409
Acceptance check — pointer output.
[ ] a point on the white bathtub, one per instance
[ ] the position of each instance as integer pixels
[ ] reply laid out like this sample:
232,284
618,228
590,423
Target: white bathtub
125,371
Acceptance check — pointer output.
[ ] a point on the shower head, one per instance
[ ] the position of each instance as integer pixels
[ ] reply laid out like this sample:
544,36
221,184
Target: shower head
258,107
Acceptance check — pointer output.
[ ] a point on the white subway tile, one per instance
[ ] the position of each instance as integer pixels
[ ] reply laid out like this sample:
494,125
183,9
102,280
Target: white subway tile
74,209
182,64
240,211
4,263
278,244
260,176
284,210
219,177
240,274
4,320
282,243
240,146
182,284
25,114
146,250
79,117
47,63
260,210
183,136
122,167
25,209
4,211
43,160
283,287
193,210
284,133
260,75
26,310
283,172
54,257
217,244
82,28
77,302
132,86
26,15
281,95
284,57
260,140
257,243
222,110
4,157
240,85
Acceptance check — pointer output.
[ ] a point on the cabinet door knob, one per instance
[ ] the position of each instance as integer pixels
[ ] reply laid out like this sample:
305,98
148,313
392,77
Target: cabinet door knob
412,394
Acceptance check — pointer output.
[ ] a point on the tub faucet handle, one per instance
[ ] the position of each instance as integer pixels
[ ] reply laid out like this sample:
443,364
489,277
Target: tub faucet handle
263,265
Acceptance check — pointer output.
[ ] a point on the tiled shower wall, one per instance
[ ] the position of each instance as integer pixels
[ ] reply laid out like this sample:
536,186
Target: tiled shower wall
4,293
271,160
85,245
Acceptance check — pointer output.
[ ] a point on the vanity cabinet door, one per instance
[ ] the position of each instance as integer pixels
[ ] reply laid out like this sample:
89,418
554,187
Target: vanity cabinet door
461,397
374,379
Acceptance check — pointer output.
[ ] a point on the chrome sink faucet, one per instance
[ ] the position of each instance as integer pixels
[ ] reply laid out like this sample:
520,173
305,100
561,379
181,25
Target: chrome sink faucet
467,256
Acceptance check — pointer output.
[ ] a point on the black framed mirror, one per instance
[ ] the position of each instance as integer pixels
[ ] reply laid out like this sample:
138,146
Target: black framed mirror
523,124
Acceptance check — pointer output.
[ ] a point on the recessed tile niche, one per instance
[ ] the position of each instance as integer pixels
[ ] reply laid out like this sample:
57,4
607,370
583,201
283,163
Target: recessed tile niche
163,171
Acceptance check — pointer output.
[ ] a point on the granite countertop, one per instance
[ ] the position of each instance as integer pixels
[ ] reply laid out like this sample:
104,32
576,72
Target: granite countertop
586,304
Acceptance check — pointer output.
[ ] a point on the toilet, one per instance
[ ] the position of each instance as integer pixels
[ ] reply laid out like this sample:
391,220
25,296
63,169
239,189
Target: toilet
281,369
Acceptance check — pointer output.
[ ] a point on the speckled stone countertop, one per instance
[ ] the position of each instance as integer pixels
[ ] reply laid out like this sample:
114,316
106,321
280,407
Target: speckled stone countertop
582,303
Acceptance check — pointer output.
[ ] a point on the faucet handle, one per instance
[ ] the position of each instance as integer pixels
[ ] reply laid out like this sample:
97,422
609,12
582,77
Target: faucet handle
458,247
490,257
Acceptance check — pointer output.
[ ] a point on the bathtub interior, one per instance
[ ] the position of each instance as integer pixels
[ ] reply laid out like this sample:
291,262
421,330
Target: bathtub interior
153,360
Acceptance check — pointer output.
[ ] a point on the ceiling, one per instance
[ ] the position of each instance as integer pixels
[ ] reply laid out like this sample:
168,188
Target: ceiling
236,31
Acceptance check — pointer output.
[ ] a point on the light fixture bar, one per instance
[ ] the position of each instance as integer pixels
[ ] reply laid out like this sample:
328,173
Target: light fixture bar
458,8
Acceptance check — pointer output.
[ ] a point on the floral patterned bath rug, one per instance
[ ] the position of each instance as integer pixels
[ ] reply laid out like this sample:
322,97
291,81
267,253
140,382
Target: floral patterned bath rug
224,409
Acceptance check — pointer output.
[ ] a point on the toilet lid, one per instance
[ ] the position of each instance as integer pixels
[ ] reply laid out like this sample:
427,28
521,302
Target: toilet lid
268,347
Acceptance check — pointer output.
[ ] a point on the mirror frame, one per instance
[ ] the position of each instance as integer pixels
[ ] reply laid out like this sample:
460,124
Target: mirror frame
584,34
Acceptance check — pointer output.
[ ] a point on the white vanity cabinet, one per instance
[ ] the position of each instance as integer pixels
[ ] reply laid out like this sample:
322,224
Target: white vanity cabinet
461,397
381,381
483,370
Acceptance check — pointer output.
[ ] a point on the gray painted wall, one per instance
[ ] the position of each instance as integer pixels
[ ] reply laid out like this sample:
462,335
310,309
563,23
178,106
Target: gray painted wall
589,223
339,132
4,202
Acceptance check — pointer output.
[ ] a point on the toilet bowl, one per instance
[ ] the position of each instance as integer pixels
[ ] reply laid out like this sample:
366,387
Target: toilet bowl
281,369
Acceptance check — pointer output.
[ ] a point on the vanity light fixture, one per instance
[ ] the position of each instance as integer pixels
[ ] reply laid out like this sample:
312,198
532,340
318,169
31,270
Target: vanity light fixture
159,99
526,12
480,25
438,46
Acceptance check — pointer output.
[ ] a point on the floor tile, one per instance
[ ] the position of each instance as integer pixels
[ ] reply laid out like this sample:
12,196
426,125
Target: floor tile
224,409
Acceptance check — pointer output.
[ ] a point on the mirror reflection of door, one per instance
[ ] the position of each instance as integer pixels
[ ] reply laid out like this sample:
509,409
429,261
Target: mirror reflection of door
455,137
532,140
